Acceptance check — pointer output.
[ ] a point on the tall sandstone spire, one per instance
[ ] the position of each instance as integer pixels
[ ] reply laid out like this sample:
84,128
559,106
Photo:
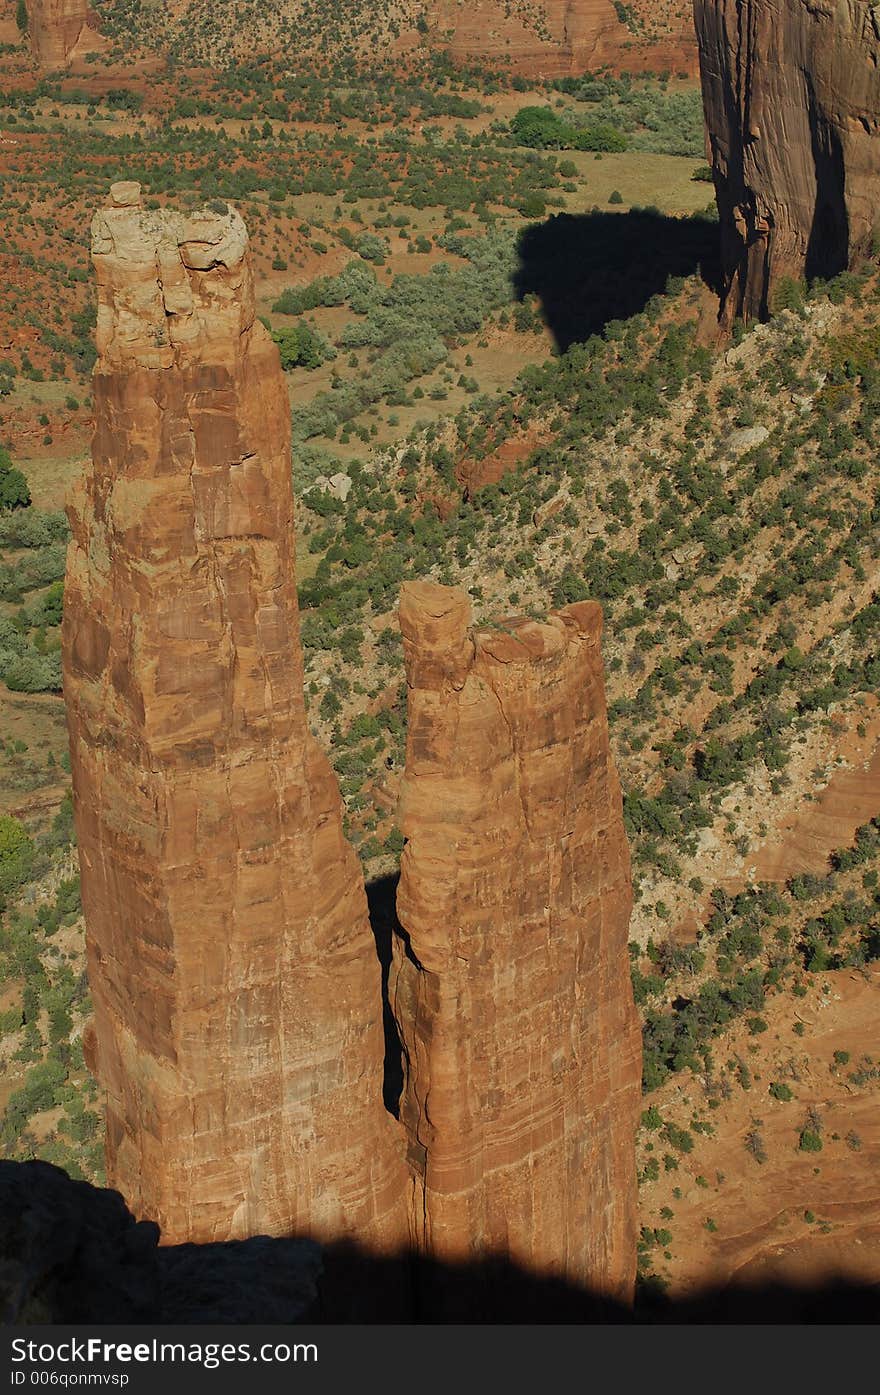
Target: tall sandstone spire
511,981
791,92
237,1033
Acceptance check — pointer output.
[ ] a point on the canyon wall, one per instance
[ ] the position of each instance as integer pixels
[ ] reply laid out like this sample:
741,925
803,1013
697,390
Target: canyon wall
511,980
552,38
60,28
237,1033
791,90
561,37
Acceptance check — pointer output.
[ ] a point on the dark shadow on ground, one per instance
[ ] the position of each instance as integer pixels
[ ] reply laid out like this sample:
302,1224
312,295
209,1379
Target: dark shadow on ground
828,248
72,1253
587,269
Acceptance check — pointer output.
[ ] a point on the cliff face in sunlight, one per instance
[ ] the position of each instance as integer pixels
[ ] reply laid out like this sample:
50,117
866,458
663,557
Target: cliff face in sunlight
571,36
238,1022
512,986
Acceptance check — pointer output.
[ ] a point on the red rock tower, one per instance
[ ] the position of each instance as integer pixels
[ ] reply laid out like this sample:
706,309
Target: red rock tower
237,1033
511,984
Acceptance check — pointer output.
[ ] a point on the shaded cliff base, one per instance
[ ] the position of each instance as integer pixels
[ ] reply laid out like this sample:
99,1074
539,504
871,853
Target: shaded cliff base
73,1253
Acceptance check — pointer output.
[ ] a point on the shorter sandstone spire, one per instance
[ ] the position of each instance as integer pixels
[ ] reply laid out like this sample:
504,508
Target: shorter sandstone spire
511,984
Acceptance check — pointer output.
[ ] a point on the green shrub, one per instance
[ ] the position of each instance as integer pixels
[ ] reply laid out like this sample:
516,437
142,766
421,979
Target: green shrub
395,841
301,347
16,854
39,1092
14,489
541,128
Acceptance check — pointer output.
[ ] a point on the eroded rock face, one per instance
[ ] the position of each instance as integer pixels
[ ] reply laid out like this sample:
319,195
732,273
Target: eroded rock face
511,984
791,90
238,1033
60,28
484,31
566,37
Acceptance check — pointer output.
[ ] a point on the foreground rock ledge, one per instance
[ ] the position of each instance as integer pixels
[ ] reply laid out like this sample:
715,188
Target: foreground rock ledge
237,1031
511,982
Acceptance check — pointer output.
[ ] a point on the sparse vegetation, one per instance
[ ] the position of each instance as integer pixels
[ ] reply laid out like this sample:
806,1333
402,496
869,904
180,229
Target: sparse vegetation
413,240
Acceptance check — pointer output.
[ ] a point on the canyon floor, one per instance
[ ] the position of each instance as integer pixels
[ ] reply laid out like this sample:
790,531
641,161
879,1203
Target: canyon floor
790,1216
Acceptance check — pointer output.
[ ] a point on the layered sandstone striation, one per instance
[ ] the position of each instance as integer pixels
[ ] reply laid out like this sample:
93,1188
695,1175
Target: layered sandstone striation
545,39
559,38
791,90
510,980
59,29
238,1033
